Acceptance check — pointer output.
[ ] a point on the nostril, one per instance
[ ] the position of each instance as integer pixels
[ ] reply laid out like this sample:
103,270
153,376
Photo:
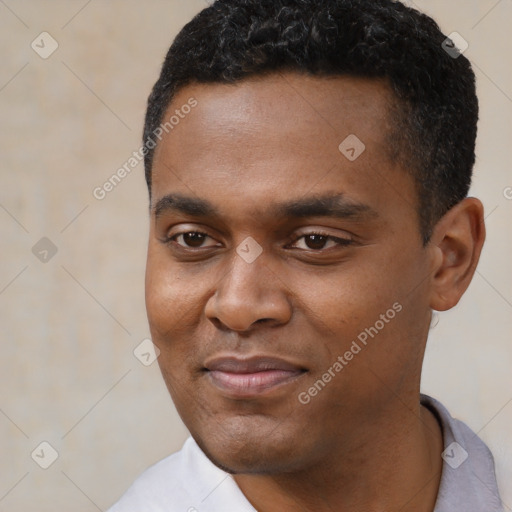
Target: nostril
219,325
263,320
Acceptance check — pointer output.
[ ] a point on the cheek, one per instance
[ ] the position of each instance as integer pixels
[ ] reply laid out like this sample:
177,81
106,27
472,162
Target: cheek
344,300
364,311
172,298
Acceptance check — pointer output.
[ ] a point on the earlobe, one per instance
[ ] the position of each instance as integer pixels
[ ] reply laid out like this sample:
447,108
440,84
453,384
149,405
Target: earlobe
457,242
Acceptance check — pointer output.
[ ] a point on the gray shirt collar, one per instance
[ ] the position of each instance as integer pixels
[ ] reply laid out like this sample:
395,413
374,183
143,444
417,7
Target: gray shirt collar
468,481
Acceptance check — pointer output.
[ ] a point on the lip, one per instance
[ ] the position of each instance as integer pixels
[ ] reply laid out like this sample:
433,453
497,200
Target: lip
249,377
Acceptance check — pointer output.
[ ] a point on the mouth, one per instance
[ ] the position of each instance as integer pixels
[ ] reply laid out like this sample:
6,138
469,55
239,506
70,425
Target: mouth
245,378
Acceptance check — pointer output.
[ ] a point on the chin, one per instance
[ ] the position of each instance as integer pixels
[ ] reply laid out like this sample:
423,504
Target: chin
251,450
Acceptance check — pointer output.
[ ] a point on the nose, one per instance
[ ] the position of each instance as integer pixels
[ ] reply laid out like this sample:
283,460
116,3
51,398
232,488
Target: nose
249,293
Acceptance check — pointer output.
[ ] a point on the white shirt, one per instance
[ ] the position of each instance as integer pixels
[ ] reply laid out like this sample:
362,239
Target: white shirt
188,481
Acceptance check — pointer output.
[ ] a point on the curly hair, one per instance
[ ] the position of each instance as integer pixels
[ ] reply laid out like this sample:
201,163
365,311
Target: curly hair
436,109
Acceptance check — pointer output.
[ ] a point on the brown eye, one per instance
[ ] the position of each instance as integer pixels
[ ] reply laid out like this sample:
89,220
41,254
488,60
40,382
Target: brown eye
194,239
319,241
315,241
191,239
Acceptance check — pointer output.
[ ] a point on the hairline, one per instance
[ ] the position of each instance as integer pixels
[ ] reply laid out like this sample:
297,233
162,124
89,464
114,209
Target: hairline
398,117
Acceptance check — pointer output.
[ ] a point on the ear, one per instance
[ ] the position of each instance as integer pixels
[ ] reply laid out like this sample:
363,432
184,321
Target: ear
456,243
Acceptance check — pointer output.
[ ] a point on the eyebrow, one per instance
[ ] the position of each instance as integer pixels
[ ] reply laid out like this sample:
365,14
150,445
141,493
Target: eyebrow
333,205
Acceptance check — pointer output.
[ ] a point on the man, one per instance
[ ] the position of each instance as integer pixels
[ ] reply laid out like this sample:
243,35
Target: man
308,165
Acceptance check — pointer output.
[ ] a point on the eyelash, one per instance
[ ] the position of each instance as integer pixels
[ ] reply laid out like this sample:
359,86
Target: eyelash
342,242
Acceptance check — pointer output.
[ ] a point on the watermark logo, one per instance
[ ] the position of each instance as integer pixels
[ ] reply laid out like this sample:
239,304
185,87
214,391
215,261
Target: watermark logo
109,185
455,45
249,249
146,352
44,45
352,147
454,455
44,455
44,250
355,348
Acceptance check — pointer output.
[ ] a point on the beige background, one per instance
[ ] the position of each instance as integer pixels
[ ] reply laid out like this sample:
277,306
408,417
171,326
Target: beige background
69,326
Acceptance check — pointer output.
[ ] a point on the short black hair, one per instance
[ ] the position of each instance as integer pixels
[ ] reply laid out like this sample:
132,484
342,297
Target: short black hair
436,114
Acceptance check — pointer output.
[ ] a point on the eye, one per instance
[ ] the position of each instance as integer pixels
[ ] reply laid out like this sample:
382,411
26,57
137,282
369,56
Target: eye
191,239
319,241
316,241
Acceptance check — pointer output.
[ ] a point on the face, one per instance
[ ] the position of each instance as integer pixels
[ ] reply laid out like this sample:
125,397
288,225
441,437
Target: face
287,284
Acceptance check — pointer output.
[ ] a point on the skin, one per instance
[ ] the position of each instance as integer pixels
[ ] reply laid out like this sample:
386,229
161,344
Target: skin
363,442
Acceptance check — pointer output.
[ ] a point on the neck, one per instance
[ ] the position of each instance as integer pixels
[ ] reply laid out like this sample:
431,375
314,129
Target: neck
393,466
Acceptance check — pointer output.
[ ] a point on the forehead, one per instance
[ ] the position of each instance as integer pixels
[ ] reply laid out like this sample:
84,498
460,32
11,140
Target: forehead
278,136
297,106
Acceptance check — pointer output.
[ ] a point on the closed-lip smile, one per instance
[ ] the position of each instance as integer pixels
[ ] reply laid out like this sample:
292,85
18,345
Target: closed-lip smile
246,377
